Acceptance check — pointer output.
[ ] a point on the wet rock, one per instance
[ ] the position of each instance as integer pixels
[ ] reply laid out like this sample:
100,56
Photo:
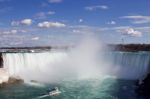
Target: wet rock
5,79
1,60
12,81
15,80
144,87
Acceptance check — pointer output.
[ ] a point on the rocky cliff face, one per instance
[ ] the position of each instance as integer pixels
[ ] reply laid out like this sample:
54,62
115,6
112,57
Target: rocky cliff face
144,86
1,60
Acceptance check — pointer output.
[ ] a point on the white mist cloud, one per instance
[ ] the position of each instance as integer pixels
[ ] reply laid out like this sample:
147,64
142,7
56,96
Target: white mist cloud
43,15
79,62
50,12
80,20
10,32
13,31
131,32
112,23
55,1
97,7
26,22
47,24
138,19
15,23
35,38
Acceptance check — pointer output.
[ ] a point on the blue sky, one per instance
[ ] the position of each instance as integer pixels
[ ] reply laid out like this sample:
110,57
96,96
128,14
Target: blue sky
65,22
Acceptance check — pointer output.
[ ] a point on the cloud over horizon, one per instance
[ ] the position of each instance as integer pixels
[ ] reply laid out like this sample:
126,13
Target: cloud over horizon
96,7
131,32
43,15
68,20
137,19
111,23
55,1
47,24
26,22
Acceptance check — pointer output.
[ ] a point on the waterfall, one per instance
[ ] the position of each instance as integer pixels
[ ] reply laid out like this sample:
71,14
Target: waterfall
48,64
31,66
131,65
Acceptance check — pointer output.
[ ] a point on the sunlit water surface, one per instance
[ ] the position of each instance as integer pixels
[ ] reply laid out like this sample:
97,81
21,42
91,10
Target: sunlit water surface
107,88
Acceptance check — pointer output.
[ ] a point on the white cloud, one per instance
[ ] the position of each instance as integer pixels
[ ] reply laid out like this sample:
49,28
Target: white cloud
22,22
43,15
138,19
15,23
14,31
112,23
26,22
76,31
50,12
97,7
71,32
40,15
10,32
80,20
55,1
22,31
131,32
35,38
47,24
44,4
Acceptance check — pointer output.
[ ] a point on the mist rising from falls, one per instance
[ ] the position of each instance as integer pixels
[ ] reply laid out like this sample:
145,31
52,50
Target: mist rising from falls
78,62
87,60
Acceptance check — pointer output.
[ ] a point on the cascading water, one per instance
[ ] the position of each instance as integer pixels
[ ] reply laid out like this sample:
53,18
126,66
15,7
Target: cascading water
131,65
35,66
88,59
32,66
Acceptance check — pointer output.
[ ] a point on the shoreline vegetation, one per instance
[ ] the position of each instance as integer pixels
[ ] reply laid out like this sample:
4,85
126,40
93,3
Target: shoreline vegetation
129,47
112,47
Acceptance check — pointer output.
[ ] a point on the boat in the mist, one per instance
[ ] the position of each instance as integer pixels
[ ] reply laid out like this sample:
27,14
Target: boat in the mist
54,92
51,92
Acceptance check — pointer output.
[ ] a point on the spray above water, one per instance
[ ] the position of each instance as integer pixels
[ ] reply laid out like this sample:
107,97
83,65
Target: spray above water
85,58
79,62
